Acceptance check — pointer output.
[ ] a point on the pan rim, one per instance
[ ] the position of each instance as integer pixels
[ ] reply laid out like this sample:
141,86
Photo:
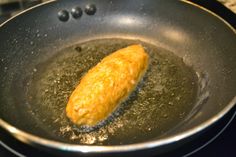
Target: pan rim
31,139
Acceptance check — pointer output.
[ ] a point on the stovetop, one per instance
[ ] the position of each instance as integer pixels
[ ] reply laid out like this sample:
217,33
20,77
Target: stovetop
218,141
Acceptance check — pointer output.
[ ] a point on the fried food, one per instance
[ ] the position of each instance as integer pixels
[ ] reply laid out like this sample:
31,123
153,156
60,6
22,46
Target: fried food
106,85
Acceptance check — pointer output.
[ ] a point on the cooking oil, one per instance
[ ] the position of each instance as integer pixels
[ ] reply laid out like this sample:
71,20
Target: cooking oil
163,98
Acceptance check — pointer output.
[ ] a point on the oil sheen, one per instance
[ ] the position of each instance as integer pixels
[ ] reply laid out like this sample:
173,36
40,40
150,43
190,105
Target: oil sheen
162,99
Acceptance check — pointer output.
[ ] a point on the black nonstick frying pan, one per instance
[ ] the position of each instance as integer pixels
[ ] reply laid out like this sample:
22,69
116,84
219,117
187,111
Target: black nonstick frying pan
189,85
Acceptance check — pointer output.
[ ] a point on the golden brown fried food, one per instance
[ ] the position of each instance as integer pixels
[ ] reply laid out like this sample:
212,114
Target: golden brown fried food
106,85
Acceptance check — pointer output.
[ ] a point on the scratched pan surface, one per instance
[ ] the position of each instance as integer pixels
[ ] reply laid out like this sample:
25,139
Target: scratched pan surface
190,80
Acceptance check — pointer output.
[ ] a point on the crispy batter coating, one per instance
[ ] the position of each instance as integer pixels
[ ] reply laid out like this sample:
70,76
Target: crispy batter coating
106,85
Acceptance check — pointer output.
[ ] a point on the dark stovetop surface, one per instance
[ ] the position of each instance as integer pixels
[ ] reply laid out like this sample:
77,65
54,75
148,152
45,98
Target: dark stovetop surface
223,145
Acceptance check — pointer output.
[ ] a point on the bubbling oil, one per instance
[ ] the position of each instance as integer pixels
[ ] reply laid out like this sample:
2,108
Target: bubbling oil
163,98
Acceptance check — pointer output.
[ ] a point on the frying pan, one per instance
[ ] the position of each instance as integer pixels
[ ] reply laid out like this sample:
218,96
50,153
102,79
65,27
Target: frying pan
37,45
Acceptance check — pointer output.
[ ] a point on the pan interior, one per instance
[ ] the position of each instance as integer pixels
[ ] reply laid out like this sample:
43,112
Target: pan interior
161,101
